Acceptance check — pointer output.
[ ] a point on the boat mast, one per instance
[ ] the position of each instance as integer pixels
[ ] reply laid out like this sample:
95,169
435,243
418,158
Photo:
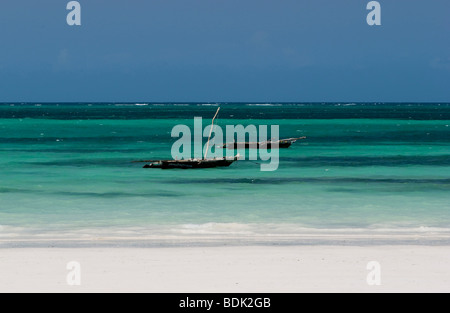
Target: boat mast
210,132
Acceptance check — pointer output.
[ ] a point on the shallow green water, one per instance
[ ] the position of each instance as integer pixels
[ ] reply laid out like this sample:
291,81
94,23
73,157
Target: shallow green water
68,169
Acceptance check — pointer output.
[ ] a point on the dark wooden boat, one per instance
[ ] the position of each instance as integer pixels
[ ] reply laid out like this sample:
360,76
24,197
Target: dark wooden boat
282,144
192,163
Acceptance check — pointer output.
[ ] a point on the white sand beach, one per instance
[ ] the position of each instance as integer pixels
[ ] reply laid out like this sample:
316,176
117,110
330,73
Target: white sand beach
235,269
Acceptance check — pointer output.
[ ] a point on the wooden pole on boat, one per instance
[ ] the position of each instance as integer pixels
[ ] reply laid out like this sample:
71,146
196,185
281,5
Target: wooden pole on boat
210,132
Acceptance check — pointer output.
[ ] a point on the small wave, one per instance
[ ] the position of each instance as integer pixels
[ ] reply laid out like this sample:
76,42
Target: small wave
274,229
214,229
264,104
12,231
221,234
130,104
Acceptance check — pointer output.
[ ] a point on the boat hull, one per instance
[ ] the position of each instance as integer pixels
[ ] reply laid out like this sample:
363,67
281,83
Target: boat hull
190,164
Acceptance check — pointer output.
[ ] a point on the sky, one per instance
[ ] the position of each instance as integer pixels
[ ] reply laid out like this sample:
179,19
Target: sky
225,51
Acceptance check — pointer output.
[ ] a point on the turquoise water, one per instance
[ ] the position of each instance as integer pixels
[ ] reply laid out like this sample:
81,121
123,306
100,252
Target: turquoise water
66,170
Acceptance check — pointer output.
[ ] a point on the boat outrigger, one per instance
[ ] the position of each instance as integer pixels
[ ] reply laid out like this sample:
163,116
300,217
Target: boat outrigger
193,163
282,143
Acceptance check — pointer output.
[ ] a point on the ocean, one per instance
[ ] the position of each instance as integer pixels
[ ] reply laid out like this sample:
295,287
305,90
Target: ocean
367,172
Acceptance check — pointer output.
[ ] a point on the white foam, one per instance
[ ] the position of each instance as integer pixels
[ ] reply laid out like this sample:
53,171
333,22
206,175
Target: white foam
209,104
205,232
214,228
264,104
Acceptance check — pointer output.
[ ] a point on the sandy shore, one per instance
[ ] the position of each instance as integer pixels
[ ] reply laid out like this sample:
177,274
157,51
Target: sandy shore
227,269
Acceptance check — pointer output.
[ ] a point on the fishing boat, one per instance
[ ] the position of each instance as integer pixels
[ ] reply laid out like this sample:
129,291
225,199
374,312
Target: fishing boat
195,162
282,143
192,163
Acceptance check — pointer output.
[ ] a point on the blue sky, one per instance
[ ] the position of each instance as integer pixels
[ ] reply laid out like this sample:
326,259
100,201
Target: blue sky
225,50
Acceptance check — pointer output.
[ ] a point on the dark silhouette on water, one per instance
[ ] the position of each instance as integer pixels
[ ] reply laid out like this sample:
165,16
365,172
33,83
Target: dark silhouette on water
193,163
282,143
